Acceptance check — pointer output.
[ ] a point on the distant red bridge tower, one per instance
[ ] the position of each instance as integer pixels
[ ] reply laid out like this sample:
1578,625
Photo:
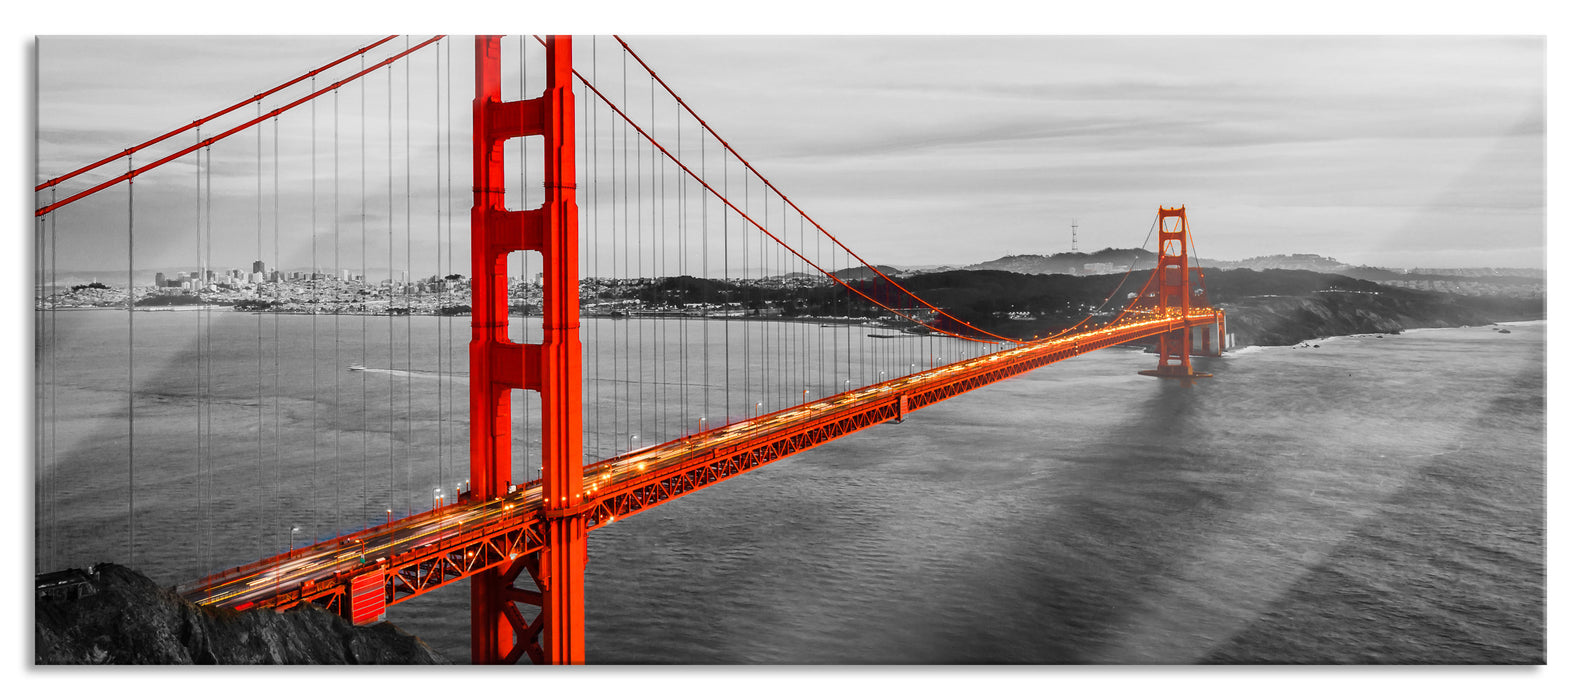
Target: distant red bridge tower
1173,285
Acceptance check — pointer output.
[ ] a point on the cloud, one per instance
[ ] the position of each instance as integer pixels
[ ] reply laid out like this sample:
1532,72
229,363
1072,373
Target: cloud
916,150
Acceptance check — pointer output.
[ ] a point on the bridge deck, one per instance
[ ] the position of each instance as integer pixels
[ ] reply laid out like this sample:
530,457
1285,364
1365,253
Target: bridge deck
425,551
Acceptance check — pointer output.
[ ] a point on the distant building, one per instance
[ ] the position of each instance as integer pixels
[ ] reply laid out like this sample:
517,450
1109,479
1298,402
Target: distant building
258,266
159,279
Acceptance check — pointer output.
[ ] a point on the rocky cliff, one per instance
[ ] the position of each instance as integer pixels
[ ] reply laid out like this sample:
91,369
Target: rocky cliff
1288,306
115,615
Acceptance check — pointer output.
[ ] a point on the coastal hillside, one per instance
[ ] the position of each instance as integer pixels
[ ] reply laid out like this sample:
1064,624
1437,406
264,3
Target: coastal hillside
1283,307
114,615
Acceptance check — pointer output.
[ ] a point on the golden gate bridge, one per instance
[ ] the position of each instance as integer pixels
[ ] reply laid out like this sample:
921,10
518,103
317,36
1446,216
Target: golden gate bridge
647,215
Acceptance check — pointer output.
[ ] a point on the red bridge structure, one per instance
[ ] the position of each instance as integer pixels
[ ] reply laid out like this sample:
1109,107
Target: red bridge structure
666,213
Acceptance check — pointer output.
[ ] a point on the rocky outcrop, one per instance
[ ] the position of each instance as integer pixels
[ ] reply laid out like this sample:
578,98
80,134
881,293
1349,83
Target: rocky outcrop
119,616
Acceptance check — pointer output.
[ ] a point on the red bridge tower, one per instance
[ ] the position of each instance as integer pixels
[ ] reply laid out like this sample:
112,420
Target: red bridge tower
1173,285
500,633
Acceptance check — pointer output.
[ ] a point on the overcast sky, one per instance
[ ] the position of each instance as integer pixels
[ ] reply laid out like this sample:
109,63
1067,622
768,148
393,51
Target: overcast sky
1391,151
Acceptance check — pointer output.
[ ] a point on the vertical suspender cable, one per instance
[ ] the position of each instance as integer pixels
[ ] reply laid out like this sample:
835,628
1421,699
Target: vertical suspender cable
439,280
390,290
258,319
450,250
313,280
682,329
725,236
41,504
339,287
626,276
208,342
596,398
708,289
784,334
54,381
763,329
747,290
615,334
584,198
131,411
658,215
406,281
362,236
275,220
197,367
637,203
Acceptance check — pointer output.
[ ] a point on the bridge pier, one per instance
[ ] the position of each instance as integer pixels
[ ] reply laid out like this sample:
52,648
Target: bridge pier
1209,341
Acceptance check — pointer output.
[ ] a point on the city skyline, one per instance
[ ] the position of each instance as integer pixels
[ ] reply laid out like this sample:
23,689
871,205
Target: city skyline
1364,149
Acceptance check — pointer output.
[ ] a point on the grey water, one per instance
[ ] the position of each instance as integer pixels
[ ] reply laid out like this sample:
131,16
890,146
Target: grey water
1360,500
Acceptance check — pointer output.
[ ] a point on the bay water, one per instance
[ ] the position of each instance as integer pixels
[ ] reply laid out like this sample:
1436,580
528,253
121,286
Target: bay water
1359,500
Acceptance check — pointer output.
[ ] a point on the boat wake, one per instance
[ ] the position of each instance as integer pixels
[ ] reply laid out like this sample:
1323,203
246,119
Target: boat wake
414,373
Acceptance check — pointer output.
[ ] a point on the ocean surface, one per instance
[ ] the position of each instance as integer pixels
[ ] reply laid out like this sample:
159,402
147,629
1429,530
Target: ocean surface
1360,500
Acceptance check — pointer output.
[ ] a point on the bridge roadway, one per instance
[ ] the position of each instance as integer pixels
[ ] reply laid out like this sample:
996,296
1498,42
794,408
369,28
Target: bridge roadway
425,551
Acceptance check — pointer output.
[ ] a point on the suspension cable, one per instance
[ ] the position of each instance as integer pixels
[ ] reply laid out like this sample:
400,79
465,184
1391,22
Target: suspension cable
255,99
228,133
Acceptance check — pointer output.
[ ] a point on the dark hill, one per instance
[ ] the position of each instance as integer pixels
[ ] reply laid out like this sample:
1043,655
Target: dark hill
119,616
1066,263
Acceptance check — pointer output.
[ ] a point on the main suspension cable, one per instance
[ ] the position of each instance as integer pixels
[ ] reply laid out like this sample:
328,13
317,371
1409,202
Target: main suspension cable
255,99
228,133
